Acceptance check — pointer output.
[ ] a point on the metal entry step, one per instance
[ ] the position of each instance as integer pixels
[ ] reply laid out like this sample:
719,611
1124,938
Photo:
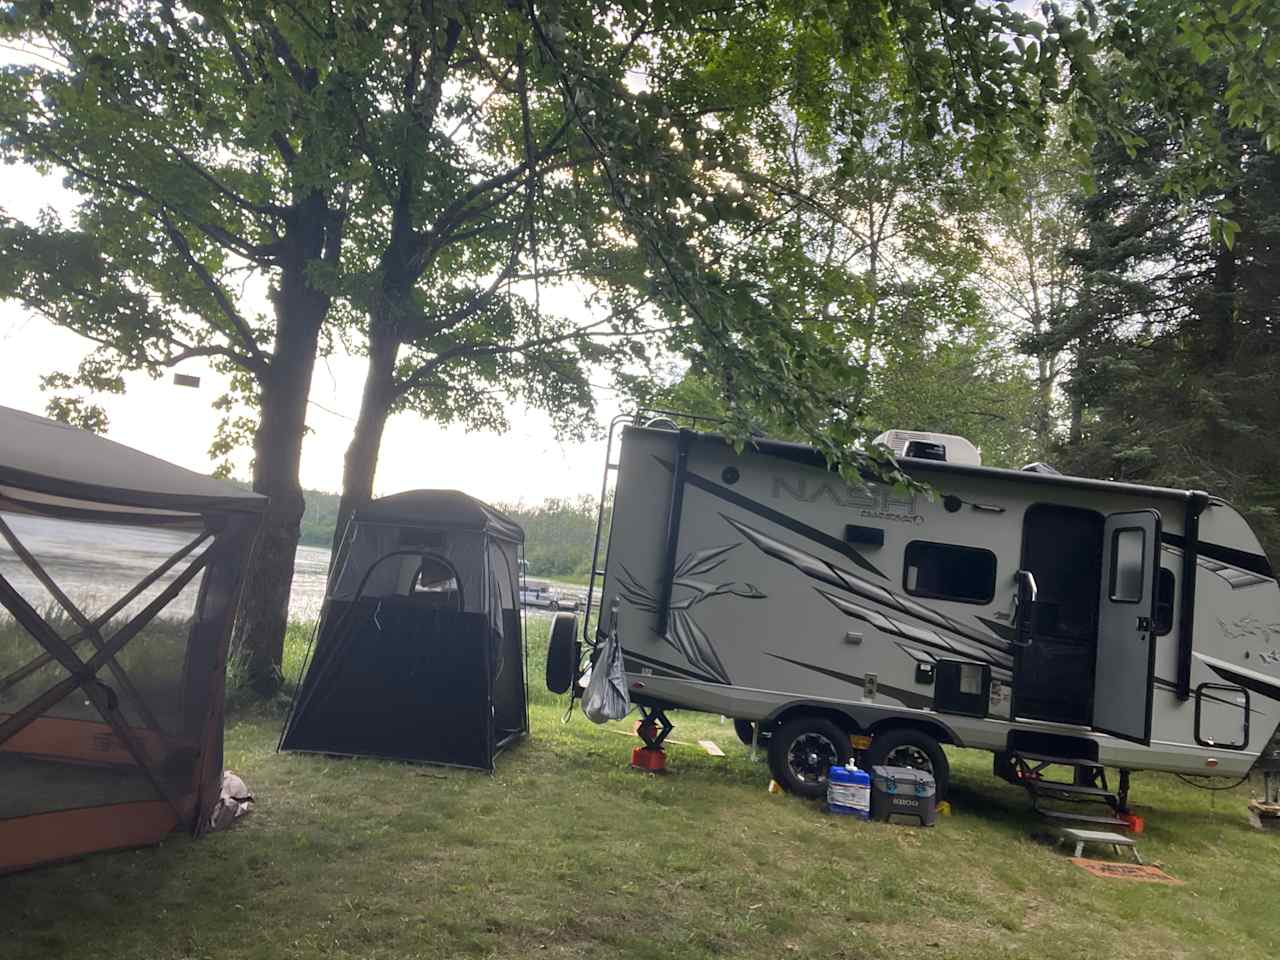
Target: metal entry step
1070,791
1088,786
1070,816
1039,761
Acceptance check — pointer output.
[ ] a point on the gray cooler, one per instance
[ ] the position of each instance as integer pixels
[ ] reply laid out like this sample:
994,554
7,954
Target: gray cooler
903,792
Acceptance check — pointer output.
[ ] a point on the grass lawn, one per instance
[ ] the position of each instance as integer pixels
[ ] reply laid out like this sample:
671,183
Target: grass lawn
568,853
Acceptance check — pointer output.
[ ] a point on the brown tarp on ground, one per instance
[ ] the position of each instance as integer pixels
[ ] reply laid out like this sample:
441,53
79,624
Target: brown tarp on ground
119,576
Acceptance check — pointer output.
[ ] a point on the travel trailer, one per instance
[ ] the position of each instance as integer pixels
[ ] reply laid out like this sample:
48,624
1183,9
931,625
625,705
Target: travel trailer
1049,619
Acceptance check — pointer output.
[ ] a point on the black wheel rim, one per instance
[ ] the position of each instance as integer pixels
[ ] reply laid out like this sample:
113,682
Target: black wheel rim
911,756
810,757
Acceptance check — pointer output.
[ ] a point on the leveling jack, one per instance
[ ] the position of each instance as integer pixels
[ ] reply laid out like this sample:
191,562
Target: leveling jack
653,728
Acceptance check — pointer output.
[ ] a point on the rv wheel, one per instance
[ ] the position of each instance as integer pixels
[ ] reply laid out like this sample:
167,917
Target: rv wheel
905,747
802,750
563,653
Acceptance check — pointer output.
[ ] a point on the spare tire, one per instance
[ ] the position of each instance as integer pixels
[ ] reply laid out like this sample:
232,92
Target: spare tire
564,653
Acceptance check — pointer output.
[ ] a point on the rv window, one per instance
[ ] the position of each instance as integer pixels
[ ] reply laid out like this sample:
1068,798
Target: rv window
1163,619
946,571
1128,564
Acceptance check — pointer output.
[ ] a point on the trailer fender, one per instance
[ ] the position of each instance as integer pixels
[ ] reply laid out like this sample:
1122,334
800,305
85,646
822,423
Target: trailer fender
936,729
855,719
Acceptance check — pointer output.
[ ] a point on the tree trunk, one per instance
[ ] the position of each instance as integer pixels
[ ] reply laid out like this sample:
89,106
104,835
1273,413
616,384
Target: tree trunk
1223,310
277,447
1044,406
389,308
361,463
1076,433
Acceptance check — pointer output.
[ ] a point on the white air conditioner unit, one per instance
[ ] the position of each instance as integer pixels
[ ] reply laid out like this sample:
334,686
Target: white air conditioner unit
919,445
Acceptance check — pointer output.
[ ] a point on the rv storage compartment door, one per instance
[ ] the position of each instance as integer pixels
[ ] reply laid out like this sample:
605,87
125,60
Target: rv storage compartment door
1126,643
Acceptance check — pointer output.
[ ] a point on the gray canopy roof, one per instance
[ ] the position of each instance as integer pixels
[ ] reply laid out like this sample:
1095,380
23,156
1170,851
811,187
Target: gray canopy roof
46,457
440,508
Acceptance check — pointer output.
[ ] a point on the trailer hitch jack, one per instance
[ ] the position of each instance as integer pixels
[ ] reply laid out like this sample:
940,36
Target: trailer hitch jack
653,728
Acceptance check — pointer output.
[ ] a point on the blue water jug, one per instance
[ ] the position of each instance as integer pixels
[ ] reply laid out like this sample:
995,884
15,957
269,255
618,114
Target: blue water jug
849,791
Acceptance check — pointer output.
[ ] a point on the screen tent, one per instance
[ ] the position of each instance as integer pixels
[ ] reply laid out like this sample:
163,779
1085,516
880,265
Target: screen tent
119,578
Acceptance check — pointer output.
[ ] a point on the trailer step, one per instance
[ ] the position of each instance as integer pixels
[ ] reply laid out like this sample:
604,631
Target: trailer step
1079,837
1042,788
1044,760
1069,817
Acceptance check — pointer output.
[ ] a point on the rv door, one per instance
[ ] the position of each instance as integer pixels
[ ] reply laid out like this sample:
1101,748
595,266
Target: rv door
1126,654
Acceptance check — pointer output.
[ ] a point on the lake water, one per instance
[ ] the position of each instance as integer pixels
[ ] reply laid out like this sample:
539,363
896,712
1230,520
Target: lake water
310,572
97,563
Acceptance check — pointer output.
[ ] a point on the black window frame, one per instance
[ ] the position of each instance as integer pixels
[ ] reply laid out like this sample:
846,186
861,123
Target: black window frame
959,547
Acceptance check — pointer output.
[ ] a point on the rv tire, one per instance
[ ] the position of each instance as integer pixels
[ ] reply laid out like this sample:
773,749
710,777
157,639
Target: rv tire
909,747
801,750
563,653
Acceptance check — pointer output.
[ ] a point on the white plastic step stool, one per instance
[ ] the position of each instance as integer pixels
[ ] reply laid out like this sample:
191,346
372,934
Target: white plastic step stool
1080,837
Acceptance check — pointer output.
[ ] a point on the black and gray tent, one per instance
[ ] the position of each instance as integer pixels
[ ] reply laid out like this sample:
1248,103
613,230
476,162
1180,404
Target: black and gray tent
119,575
419,653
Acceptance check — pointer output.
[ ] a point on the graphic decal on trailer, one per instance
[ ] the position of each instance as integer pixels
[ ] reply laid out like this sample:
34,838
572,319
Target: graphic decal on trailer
683,633
855,596
964,641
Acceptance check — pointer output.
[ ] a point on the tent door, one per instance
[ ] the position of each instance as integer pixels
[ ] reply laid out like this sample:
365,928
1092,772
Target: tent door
1122,690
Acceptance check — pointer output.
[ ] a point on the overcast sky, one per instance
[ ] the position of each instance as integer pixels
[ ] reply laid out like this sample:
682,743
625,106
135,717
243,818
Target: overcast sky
176,423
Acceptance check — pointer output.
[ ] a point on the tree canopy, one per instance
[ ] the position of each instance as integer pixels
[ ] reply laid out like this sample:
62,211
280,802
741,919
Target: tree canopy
491,201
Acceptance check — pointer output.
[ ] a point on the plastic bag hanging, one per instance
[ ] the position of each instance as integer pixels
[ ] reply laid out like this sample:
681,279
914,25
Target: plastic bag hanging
606,697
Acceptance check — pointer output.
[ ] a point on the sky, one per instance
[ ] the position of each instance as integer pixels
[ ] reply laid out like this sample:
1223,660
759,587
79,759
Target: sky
527,464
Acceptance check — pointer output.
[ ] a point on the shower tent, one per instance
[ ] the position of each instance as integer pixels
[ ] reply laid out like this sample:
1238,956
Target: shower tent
419,653
119,575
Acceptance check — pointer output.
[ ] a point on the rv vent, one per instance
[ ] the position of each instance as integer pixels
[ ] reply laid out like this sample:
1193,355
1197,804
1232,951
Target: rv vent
930,446
1041,467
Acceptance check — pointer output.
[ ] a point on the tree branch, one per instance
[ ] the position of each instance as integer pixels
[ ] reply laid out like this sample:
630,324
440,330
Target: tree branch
304,78
259,362
268,209
490,349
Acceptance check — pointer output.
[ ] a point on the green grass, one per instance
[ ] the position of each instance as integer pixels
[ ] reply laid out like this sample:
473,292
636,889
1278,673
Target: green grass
568,853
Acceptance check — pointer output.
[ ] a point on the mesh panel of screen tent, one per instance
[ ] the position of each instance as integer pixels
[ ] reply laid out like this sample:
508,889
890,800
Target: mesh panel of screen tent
112,644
